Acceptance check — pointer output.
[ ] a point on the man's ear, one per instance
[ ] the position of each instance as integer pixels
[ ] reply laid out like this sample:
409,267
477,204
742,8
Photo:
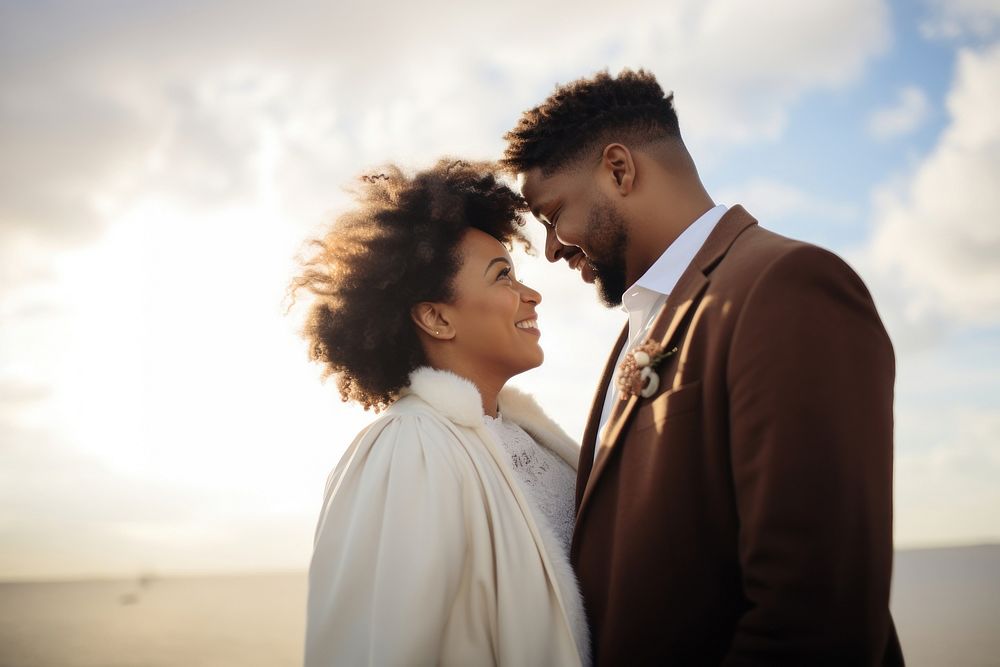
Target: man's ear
618,164
432,320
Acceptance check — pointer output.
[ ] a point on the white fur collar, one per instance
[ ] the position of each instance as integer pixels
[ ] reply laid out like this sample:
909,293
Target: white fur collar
459,400
453,396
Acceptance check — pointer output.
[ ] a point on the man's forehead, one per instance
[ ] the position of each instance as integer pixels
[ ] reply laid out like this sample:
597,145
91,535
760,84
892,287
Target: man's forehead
536,187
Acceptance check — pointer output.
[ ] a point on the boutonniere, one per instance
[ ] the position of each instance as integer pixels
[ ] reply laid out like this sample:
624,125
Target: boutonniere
637,373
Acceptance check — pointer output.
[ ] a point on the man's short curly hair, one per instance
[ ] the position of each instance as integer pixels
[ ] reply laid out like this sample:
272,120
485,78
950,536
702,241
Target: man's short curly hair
396,248
580,115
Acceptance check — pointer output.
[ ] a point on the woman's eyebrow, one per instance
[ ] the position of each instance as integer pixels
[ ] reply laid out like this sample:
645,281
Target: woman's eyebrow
494,261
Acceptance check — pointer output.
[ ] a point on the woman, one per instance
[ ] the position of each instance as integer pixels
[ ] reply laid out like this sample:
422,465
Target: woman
445,531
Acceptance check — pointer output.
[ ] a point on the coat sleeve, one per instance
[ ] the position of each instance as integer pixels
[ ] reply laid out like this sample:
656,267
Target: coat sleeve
811,377
388,555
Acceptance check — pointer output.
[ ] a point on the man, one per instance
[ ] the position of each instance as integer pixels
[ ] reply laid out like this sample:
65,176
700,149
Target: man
734,499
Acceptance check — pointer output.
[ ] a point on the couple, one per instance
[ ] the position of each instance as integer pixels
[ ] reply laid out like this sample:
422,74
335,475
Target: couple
732,499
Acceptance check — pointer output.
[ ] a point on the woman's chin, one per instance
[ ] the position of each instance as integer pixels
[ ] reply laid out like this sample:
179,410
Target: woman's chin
526,364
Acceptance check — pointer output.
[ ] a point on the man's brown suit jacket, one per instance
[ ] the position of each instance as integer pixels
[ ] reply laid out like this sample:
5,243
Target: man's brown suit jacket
742,514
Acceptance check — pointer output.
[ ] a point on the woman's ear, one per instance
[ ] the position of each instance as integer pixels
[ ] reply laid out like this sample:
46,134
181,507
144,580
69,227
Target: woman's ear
432,320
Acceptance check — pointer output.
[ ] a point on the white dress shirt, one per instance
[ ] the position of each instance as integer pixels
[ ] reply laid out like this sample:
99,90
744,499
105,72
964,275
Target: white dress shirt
643,300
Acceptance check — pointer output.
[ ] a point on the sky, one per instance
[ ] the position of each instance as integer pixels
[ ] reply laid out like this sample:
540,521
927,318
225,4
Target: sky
162,164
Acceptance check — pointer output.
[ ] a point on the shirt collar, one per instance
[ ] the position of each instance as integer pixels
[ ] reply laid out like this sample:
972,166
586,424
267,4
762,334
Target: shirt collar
661,278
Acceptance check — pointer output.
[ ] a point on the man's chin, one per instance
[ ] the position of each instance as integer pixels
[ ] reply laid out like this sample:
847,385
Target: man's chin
610,286
588,273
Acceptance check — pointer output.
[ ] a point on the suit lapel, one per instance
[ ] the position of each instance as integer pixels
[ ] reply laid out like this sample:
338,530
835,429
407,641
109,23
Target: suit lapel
593,423
666,326
670,324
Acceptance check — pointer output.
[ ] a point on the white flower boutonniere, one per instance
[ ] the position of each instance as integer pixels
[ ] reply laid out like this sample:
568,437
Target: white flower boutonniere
637,374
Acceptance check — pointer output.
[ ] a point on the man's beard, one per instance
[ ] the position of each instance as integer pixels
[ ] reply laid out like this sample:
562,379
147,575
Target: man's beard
607,238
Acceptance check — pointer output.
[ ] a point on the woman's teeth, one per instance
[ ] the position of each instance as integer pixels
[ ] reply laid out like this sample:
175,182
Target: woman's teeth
527,324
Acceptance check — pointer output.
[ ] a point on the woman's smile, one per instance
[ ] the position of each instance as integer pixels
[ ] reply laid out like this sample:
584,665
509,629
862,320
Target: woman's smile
529,326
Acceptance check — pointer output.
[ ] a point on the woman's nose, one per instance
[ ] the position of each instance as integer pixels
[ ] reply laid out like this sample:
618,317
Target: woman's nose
529,295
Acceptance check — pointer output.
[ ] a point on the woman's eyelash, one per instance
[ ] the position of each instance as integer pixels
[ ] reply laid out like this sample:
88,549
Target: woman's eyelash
505,273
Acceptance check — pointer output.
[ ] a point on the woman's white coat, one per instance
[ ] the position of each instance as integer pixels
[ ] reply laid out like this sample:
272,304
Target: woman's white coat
427,551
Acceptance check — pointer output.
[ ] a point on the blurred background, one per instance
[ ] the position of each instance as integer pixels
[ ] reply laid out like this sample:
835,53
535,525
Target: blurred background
164,441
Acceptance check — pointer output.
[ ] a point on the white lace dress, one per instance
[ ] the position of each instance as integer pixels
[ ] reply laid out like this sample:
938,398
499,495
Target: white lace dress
547,481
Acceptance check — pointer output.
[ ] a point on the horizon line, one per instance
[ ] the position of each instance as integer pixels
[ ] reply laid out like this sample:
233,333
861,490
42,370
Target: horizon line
151,575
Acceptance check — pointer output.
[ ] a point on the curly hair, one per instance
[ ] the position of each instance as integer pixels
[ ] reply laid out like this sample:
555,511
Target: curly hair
396,248
581,114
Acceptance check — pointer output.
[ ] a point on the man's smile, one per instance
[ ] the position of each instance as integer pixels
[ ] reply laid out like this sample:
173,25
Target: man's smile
580,262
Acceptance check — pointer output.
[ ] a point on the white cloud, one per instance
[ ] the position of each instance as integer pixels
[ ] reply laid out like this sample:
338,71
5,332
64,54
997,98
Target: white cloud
778,203
160,164
88,124
932,266
935,240
946,486
739,67
951,19
907,114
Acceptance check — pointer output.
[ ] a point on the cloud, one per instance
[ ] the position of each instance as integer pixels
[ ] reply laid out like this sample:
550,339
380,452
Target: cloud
907,114
739,68
15,392
98,108
779,202
159,164
238,489
931,264
58,153
952,19
935,241
947,465
75,515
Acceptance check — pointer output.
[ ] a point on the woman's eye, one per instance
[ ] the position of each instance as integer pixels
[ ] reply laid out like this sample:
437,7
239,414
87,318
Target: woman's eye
504,274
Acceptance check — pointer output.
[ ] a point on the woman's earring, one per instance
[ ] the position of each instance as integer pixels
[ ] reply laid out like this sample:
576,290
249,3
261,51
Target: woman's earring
437,333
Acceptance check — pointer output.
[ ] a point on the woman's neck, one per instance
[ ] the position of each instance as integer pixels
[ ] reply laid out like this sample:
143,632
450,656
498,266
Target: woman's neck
490,405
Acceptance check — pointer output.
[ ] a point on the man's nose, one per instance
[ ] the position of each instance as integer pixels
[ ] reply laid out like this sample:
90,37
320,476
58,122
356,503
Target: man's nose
554,250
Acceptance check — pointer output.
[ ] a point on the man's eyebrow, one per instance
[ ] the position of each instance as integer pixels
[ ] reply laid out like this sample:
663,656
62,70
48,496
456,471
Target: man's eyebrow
494,261
536,210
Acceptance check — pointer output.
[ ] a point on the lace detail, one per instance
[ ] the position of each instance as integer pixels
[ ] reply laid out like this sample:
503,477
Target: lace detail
548,482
